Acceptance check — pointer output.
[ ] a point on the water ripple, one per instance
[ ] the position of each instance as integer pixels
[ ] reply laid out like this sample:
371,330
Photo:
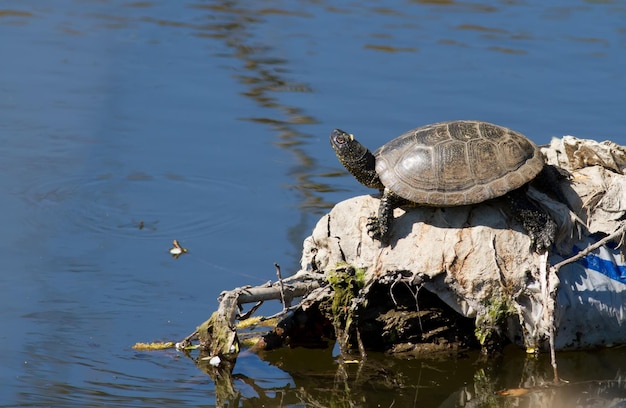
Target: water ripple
136,204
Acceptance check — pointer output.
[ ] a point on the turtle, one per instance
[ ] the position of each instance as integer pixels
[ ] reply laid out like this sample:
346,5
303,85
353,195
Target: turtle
447,164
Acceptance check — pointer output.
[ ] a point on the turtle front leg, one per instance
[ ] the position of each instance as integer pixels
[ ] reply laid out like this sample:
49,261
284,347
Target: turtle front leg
379,226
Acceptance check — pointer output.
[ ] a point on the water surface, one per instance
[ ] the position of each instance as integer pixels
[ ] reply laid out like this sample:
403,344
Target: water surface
125,125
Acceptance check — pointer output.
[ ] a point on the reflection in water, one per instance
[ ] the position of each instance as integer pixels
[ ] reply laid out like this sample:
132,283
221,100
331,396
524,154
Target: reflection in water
14,13
513,379
265,75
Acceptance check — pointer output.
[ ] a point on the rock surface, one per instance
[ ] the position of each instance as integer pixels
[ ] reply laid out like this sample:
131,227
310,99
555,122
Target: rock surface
468,255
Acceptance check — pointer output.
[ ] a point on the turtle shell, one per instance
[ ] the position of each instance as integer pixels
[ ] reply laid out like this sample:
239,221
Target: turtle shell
457,163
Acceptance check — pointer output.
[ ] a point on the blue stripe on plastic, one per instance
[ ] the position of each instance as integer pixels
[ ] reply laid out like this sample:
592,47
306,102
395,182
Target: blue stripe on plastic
604,266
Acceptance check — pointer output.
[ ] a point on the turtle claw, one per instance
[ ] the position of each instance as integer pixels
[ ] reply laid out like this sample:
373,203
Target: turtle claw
376,230
373,228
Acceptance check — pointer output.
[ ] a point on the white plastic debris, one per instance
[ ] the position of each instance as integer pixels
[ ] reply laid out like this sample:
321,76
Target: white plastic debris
571,153
591,300
215,361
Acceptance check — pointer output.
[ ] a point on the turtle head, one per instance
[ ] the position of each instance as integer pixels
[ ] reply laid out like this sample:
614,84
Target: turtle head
346,147
356,158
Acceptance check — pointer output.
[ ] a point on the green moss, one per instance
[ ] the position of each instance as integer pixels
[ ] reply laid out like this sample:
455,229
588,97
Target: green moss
497,309
217,337
346,281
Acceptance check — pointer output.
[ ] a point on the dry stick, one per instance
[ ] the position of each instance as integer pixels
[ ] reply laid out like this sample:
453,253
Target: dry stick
282,312
187,340
296,289
293,290
620,231
282,288
360,345
555,370
414,294
250,312
299,285
548,302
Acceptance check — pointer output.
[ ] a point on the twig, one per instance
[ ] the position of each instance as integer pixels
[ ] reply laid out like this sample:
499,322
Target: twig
555,369
187,340
282,288
417,305
282,312
393,298
620,231
249,312
549,304
361,346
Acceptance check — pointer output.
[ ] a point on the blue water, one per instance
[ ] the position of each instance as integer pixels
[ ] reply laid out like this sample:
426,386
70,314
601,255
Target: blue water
125,125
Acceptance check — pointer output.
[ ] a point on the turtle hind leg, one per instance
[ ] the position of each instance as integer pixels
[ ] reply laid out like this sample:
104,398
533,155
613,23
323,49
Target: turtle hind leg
379,226
549,182
537,222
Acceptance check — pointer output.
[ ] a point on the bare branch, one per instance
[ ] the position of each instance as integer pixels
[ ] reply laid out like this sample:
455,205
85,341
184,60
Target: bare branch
250,312
619,232
289,292
280,283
